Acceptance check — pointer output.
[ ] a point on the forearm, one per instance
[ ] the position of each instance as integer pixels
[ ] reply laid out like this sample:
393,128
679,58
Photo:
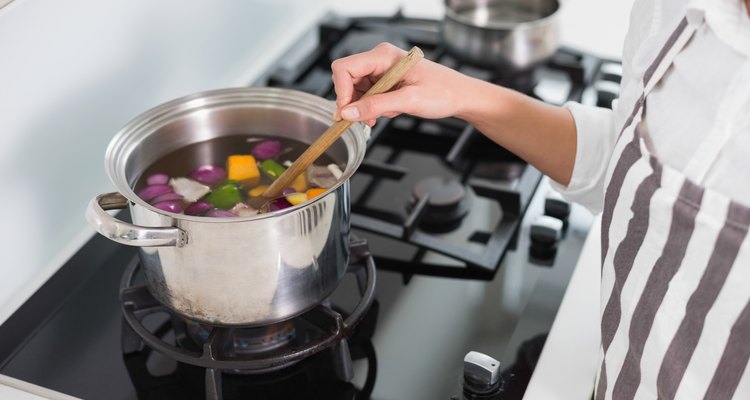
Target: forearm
543,135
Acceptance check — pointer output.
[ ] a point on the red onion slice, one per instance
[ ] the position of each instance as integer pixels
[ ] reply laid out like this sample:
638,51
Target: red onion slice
171,206
167,197
151,192
157,179
198,208
267,149
208,174
279,204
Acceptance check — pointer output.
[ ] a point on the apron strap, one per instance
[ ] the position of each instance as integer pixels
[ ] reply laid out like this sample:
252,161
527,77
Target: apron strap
675,43
655,71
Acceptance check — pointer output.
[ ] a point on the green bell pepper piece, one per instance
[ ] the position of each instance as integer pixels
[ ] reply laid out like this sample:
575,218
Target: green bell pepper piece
272,168
225,196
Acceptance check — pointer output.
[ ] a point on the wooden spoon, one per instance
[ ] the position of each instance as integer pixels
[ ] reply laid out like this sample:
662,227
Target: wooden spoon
322,143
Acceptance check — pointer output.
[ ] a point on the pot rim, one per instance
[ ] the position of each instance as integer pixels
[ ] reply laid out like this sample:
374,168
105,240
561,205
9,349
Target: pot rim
147,122
452,14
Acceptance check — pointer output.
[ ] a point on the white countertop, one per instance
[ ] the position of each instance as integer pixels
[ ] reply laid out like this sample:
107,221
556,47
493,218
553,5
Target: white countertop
567,367
14,389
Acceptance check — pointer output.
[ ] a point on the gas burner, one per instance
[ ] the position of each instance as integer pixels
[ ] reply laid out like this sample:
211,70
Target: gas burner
246,350
445,202
248,340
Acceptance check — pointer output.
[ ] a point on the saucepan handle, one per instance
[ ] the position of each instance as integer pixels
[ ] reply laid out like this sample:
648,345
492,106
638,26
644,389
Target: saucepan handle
125,233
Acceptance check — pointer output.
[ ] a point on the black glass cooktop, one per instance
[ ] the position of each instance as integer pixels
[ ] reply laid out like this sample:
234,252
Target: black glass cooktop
410,345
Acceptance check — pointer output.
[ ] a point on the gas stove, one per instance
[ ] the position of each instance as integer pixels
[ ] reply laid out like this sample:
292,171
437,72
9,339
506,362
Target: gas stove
436,197
473,253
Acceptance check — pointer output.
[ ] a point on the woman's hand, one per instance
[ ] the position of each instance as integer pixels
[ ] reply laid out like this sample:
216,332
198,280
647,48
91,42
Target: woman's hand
428,90
542,134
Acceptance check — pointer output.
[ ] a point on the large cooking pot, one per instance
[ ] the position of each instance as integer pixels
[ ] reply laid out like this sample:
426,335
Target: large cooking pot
232,271
501,34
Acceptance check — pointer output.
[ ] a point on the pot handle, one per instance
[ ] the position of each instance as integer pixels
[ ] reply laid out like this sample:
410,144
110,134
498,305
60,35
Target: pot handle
125,233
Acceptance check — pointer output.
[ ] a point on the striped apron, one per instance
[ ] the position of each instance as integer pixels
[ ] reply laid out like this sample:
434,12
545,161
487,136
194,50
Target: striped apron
675,270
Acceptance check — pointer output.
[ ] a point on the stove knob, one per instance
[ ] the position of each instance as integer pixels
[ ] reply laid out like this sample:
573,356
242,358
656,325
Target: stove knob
556,206
545,233
482,378
611,72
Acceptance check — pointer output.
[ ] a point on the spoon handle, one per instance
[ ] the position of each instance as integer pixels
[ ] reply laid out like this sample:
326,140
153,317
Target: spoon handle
322,143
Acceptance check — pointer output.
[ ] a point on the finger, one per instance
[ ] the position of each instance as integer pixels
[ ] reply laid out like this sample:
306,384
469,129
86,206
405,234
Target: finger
359,89
355,72
396,102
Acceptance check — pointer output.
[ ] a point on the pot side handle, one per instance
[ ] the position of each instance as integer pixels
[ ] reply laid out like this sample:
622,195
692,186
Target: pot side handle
125,233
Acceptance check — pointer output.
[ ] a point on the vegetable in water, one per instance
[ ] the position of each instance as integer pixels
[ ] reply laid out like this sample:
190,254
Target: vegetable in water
198,208
243,168
243,210
336,171
226,187
257,191
189,189
169,205
279,204
171,196
208,174
151,192
320,176
219,213
272,168
158,179
225,196
299,184
314,192
296,198
267,149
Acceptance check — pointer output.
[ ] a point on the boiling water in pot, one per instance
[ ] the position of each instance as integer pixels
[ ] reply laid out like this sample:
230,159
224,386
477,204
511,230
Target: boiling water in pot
225,176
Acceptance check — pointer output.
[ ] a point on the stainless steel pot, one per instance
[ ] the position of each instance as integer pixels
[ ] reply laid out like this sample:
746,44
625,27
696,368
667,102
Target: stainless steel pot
232,271
502,34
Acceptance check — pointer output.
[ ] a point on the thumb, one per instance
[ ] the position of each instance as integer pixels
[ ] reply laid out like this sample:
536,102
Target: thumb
377,105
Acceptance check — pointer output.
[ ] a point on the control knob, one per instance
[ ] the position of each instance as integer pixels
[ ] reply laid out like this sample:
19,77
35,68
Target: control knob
556,206
545,234
482,379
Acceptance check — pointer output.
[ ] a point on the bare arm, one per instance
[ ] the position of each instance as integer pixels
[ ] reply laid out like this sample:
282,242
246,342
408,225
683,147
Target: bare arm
544,135
541,134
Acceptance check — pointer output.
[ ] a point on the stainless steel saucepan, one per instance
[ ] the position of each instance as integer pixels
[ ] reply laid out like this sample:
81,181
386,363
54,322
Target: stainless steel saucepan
243,271
501,34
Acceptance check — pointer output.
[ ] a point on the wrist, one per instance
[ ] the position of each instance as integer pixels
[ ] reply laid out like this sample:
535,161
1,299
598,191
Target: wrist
482,102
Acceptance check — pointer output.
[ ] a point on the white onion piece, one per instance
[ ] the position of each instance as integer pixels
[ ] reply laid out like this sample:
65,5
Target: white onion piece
243,210
189,189
335,170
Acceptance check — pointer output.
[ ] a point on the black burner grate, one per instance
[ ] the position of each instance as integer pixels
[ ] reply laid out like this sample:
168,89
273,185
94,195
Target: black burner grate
325,327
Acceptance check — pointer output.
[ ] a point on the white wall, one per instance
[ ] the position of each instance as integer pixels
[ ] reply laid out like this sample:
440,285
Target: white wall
73,72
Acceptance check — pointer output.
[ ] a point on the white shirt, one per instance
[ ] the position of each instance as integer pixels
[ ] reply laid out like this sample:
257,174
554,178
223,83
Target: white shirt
706,92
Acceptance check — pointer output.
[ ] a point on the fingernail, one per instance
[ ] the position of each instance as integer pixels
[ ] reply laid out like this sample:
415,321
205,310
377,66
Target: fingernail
350,113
